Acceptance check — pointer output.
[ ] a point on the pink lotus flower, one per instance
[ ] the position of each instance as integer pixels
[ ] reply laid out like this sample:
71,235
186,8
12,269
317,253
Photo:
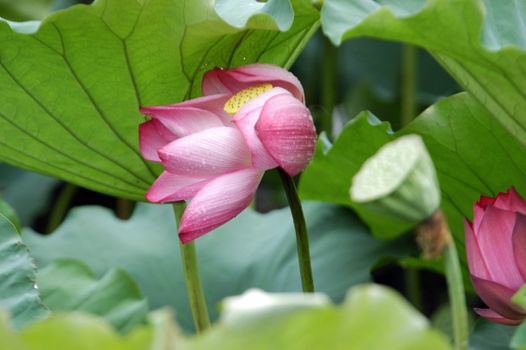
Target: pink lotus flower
216,148
496,251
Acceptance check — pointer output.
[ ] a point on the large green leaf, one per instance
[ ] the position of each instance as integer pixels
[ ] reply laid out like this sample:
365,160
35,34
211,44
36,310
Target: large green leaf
254,250
69,285
70,93
472,152
480,42
18,289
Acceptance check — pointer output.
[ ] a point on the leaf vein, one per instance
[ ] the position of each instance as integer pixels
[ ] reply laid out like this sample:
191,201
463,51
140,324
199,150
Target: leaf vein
99,110
65,127
58,151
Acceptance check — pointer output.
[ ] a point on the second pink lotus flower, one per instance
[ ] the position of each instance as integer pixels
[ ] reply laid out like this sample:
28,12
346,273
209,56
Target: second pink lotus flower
496,251
216,148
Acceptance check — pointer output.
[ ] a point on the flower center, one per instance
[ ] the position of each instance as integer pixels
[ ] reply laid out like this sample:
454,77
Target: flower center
234,104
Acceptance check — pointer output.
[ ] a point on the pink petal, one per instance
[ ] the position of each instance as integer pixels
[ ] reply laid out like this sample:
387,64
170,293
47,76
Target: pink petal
478,214
222,81
516,202
503,201
476,263
150,141
183,121
497,297
213,104
492,316
286,130
479,208
211,152
519,244
164,131
211,84
484,201
171,188
218,202
494,237
246,118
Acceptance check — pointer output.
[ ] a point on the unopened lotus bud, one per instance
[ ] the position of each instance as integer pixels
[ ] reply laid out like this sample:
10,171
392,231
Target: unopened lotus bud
399,181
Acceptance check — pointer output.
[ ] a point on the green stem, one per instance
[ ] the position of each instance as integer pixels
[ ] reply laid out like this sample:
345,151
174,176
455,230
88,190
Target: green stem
328,93
457,296
302,240
318,4
194,289
124,208
61,207
412,284
408,84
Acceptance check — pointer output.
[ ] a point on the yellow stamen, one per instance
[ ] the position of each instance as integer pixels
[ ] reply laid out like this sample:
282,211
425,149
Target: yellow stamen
234,104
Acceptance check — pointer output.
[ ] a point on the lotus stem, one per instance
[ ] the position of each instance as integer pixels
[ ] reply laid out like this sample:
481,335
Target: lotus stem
328,95
194,288
302,240
412,286
457,297
408,84
124,208
62,204
434,237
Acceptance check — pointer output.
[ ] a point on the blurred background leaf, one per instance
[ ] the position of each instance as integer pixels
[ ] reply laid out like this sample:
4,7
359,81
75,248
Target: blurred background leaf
69,285
367,311
28,193
75,331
